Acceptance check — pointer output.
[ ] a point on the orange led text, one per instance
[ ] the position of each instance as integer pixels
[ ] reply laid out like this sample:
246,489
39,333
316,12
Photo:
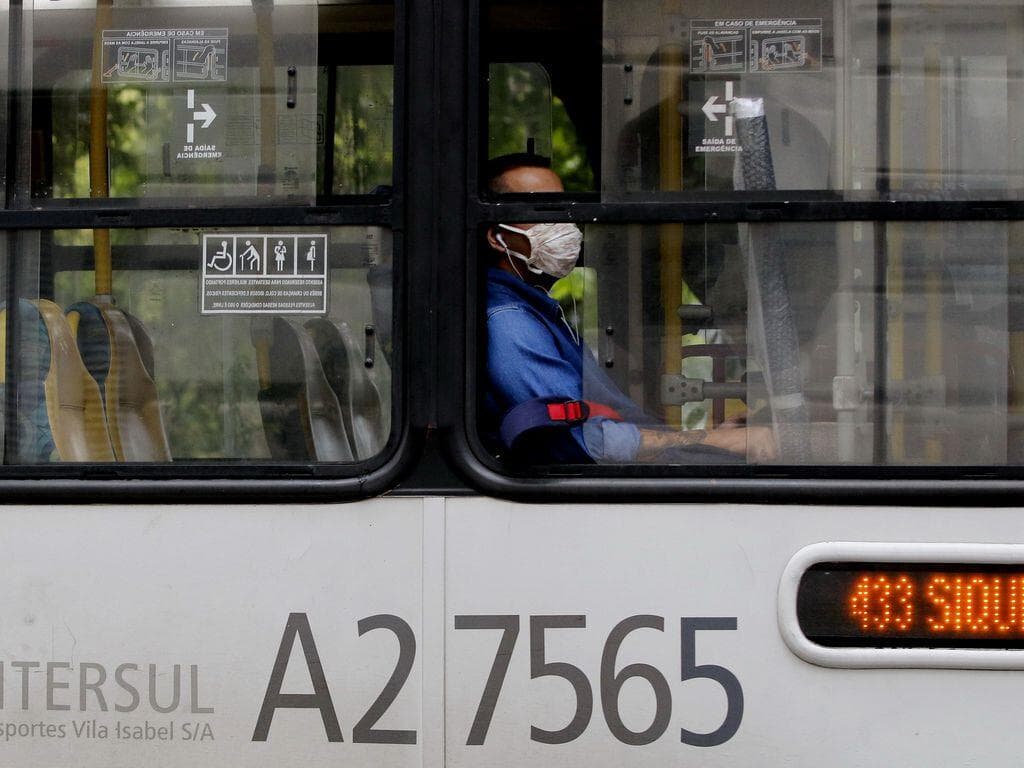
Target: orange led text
947,604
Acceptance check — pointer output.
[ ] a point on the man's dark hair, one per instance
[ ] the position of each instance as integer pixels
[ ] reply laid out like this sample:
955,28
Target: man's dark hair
496,166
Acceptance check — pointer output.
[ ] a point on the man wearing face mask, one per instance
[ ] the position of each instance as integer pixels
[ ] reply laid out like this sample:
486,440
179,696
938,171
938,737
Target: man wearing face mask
536,363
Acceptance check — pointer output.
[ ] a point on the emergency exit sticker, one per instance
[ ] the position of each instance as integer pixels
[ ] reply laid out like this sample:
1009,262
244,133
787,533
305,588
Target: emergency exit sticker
255,274
152,56
735,46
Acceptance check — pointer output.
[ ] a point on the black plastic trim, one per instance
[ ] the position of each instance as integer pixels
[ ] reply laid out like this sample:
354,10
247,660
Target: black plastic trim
117,214
158,483
722,208
762,484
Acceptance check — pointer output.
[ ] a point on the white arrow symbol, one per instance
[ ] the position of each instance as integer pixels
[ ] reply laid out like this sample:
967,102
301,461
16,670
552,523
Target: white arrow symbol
207,115
712,109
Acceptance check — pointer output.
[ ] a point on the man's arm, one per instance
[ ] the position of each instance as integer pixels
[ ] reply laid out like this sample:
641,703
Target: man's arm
756,443
524,363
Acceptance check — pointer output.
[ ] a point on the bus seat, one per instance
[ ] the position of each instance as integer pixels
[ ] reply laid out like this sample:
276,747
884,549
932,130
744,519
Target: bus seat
60,413
301,415
35,437
73,400
361,403
116,351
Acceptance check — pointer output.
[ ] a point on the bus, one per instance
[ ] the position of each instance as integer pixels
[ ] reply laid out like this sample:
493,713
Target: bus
254,513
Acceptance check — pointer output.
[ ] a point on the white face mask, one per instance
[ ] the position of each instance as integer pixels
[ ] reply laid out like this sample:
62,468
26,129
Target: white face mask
554,248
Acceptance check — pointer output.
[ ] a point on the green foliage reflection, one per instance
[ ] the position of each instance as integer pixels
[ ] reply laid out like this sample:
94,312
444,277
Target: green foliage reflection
521,107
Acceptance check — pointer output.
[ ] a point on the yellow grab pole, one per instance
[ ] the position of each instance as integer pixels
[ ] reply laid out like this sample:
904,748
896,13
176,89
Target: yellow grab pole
99,183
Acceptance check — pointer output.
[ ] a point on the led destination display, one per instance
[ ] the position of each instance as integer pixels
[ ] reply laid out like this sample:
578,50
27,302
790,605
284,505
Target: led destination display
913,605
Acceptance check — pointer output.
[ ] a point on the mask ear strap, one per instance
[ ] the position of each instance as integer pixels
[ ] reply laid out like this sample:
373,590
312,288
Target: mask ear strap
511,257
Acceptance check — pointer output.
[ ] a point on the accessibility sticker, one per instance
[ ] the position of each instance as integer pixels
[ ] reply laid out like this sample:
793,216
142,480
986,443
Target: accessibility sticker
256,274
733,46
165,55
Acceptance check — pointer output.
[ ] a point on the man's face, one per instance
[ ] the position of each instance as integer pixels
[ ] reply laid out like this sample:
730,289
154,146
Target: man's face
522,180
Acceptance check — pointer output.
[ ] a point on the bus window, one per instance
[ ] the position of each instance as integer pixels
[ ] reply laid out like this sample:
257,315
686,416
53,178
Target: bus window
673,71
540,88
175,102
519,106
919,373
843,342
853,100
259,337
215,344
357,98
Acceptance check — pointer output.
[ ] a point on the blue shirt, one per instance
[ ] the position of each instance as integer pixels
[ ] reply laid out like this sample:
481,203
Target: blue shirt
531,353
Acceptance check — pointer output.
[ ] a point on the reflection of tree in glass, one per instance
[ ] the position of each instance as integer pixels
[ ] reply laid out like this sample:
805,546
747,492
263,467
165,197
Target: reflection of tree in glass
365,104
521,107
126,135
568,156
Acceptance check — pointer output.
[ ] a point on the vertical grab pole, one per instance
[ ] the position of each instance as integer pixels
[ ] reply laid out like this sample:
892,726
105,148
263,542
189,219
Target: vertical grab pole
99,183
670,87
935,242
846,312
1015,313
894,267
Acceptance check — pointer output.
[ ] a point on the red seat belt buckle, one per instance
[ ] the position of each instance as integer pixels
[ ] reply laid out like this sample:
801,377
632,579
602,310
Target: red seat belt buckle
571,411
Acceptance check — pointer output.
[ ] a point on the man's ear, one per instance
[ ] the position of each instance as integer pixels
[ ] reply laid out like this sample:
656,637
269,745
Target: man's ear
492,240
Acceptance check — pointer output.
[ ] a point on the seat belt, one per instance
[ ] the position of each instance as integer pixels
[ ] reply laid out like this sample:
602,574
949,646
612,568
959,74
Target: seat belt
547,412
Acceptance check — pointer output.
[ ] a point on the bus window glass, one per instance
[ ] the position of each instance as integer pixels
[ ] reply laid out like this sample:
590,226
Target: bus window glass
946,113
252,345
174,102
519,106
542,86
915,97
673,72
802,331
357,98
796,343
361,153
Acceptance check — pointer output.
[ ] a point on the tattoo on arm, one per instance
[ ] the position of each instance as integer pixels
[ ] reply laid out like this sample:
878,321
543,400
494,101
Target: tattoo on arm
654,441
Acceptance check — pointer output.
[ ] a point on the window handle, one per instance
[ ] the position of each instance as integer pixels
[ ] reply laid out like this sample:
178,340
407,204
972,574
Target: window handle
371,335
293,88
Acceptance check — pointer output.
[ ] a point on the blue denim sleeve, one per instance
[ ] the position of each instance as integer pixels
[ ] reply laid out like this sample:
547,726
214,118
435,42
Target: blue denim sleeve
524,362
611,441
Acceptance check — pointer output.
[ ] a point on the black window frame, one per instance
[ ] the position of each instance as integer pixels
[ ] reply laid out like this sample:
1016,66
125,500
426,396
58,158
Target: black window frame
266,480
464,107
